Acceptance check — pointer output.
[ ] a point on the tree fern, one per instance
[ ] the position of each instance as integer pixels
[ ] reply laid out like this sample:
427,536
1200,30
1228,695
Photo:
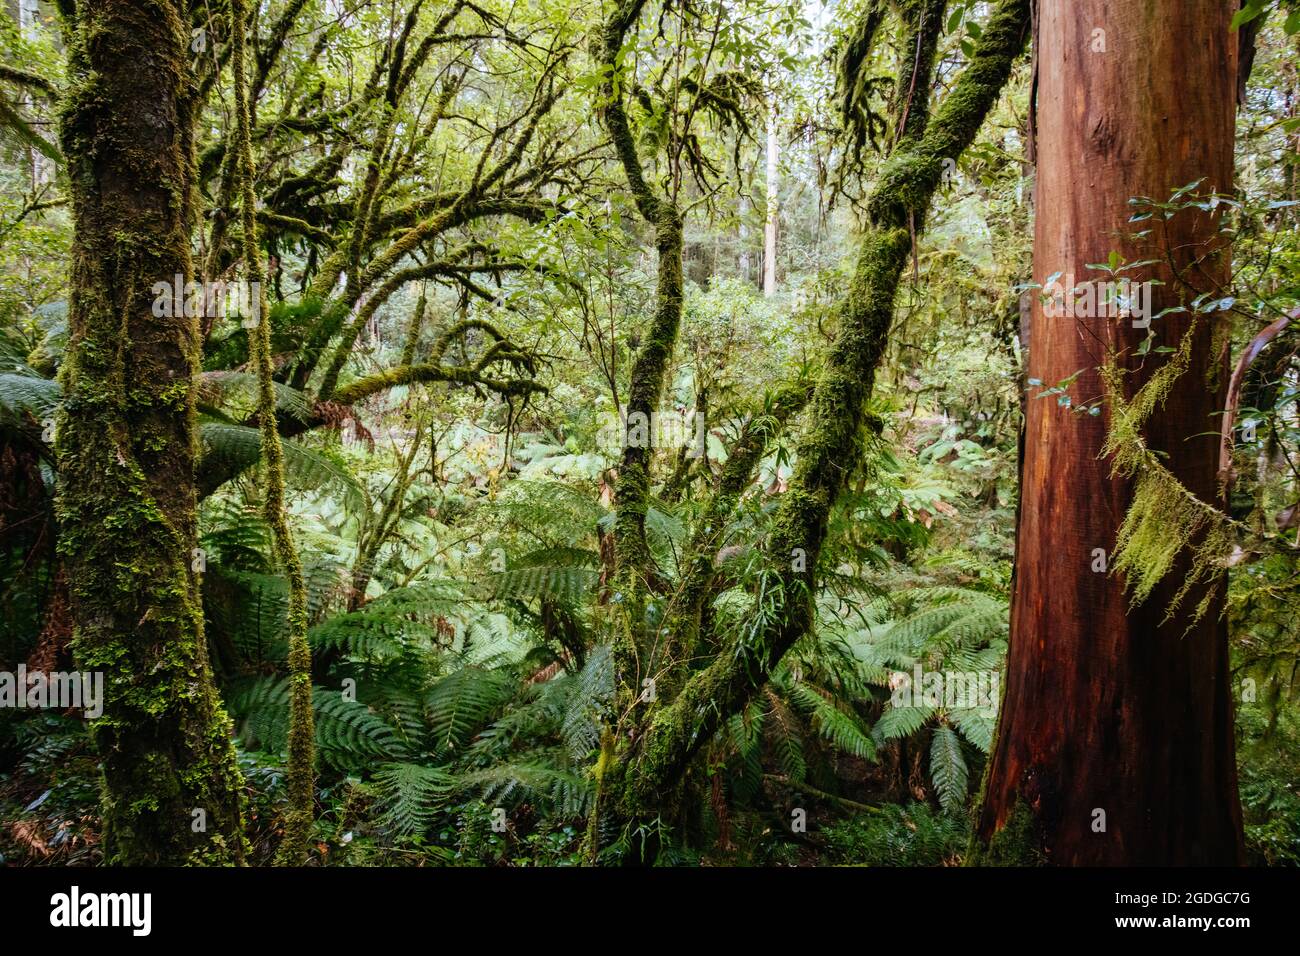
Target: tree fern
953,631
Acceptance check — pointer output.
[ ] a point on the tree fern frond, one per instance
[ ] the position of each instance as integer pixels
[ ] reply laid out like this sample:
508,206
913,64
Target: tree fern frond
235,393
554,511
410,796
948,768
463,702
745,730
537,780
239,447
901,722
560,556
30,393
589,697
787,740
564,583
390,624
348,735
975,726
840,728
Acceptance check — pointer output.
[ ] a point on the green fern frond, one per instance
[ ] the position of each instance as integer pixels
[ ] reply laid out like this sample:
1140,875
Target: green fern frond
463,702
233,534
901,722
840,728
745,732
554,511
411,796
591,692
975,725
239,447
391,624
786,740
560,556
248,609
29,393
235,394
538,780
948,768
348,735
569,584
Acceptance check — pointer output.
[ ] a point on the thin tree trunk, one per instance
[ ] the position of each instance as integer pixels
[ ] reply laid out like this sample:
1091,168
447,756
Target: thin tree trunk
127,442
1115,744
299,816
633,564
773,209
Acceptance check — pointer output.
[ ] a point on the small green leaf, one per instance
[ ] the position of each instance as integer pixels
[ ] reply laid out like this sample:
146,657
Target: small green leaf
1247,13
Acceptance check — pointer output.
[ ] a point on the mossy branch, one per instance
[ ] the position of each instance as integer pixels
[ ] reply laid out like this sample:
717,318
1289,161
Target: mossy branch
300,815
683,620
837,418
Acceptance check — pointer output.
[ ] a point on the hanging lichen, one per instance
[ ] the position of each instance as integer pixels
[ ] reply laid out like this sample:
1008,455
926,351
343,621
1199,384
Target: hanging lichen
1165,520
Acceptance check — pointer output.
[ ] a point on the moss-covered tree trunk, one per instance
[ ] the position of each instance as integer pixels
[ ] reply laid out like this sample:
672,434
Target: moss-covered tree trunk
300,773
1115,742
638,655
126,441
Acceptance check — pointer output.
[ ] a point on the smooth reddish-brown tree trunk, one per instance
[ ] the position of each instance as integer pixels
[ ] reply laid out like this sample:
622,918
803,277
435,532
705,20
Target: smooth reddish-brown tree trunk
1115,740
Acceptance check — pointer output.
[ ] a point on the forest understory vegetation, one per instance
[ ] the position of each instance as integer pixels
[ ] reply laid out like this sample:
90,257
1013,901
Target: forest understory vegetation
466,433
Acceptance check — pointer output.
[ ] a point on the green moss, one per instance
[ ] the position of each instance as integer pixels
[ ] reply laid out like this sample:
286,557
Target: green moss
126,446
300,776
1017,843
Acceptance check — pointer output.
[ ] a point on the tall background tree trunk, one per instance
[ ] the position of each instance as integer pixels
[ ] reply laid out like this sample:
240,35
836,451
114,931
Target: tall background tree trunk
1111,710
127,442
773,208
